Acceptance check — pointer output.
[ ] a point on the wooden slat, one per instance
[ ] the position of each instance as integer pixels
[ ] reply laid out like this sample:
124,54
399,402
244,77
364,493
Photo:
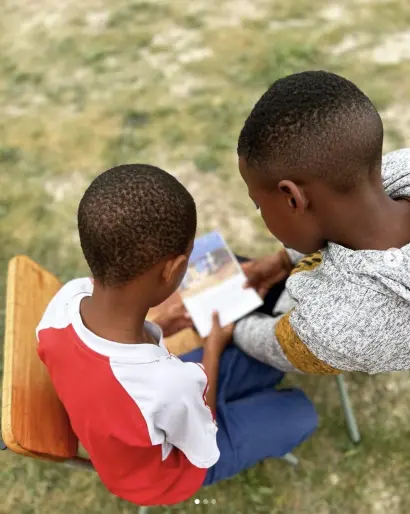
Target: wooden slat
34,421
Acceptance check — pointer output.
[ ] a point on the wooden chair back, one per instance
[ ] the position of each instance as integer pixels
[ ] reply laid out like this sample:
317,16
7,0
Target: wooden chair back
34,422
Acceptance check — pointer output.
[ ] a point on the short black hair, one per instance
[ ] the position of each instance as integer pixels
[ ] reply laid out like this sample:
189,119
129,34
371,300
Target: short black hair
130,218
313,123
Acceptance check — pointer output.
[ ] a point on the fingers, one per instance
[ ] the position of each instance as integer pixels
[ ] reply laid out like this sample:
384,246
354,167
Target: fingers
182,318
246,266
262,292
216,325
183,324
178,310
250,282
229,328
176,326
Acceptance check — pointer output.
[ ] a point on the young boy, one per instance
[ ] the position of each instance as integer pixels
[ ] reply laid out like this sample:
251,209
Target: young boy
145,417
310,153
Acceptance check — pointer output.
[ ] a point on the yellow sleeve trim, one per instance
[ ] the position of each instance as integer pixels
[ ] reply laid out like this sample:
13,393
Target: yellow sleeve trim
308,263
297,353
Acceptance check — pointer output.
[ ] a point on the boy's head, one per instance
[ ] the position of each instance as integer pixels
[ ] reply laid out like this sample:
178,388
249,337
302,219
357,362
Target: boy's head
312,140
136,220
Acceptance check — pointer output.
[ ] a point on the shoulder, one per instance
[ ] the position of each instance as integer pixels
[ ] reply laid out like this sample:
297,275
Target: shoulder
183,379
396,173
165,379
74,287
328,304
57,313
397,159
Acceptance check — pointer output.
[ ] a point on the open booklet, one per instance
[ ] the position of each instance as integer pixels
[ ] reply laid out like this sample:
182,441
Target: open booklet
214,281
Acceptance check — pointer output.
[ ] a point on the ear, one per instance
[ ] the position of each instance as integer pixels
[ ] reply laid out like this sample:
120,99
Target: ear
174,268
295,196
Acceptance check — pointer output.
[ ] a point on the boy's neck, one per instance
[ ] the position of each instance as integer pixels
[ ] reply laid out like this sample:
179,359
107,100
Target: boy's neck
371,220
117,314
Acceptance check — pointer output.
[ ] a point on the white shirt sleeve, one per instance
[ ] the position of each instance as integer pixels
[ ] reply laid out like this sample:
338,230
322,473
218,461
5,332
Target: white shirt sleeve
185,418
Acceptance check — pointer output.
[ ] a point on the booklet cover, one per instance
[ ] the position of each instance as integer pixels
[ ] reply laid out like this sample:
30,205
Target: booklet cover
214,281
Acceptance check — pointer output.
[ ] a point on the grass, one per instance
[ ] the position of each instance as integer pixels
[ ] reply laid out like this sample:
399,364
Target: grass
87,85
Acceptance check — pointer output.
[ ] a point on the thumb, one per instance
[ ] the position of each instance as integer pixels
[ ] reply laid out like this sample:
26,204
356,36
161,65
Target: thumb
247,284
215,319
251,280
263,291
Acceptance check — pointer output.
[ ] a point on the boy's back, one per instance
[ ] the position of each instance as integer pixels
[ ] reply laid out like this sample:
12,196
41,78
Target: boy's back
123,399
140,412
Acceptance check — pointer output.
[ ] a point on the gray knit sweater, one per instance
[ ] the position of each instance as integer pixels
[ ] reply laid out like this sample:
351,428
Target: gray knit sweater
349,311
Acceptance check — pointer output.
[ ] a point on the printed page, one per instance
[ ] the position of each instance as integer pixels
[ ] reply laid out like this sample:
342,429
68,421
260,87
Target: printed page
214,281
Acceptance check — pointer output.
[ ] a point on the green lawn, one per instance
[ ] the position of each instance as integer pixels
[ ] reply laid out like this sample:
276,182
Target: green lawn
87,85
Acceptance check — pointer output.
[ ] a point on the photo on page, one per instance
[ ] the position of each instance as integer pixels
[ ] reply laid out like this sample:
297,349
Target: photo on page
214,281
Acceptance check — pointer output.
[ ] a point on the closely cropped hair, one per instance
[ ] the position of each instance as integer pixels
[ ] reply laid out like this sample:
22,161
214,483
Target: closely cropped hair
130,218
313,123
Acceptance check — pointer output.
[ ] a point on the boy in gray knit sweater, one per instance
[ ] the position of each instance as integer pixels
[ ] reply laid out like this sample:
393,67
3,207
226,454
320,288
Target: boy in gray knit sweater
310,153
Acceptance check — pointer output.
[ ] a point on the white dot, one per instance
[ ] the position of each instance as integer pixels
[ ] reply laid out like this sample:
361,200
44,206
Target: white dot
213,501
393,257
197,502
206,501
334,479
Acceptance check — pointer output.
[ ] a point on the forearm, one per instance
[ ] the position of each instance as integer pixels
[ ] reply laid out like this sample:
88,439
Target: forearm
255,335
210,362
274,341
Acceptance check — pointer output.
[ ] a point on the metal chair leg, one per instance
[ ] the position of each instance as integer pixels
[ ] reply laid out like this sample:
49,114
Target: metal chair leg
75,463
291,459
348,410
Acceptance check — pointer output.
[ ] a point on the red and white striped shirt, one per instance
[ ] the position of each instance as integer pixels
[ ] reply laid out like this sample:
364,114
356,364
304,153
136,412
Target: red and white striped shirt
139,411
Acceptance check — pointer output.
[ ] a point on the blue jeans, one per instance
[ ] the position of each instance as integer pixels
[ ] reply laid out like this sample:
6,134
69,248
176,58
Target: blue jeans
255,420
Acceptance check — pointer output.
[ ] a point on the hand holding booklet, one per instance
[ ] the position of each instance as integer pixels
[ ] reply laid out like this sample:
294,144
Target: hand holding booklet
214,281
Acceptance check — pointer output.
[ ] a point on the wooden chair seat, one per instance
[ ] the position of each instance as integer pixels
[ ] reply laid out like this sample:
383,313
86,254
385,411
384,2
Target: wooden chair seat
34,422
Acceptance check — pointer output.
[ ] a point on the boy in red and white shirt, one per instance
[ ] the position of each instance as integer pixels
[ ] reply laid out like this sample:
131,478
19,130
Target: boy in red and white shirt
145,417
